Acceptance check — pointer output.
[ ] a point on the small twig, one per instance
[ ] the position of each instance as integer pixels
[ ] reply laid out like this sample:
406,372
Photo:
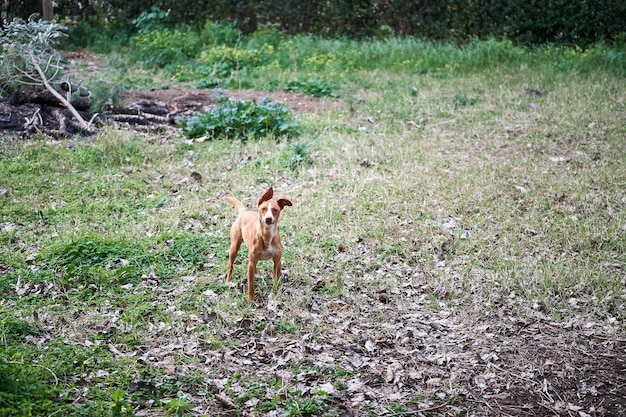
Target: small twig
56,66
92,118
27,75
31,121
514,374
56,380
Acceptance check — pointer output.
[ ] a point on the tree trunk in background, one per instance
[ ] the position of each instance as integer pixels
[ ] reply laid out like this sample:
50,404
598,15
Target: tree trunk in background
48,11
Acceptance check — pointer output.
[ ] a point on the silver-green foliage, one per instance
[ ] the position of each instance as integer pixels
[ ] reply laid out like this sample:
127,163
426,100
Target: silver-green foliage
24,44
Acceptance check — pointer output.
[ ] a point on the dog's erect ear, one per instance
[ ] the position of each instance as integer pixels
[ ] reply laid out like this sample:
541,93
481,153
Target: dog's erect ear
267,196
282,202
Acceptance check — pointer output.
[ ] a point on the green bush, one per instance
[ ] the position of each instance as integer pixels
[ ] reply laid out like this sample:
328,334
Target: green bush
220,34
311,87
166,47
264,35
228,59
238,119
151,21
96,37
24,44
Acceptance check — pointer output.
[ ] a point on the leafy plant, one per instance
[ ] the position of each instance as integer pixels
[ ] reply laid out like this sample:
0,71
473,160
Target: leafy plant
120,407
297,155
311,87
15,329
103,92
287,325
238,119
148,21
221,33
97,35
230,59
207,82
21,391
297,405
166,47
177,406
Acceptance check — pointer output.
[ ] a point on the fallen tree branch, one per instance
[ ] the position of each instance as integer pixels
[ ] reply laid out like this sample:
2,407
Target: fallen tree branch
56,94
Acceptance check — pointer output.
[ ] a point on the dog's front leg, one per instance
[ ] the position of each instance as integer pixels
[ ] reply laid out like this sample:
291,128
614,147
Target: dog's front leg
276,273
251,273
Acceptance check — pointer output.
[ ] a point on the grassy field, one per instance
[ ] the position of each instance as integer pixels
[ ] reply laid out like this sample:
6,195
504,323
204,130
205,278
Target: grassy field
452,195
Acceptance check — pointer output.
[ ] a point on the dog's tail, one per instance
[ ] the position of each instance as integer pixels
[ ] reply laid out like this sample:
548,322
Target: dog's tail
232,200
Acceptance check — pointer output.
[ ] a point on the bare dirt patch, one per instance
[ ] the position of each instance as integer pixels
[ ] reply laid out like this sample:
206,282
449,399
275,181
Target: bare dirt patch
542,368
401,361
193,99
144,110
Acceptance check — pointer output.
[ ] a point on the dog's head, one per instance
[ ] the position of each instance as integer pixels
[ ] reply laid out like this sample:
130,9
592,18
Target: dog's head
269,211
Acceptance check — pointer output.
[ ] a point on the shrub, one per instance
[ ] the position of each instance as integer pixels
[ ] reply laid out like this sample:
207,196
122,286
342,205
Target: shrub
311,87
166,47
265,35
220,34
25,43
96,36
228,59
153,20
238,119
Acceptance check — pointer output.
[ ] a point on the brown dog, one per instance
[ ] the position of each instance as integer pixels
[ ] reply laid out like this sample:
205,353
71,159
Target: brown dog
259,231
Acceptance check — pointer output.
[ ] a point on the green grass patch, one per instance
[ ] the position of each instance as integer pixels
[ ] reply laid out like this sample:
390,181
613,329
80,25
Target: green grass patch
106,261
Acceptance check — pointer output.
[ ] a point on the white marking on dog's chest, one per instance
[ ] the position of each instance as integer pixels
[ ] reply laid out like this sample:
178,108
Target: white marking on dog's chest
270,251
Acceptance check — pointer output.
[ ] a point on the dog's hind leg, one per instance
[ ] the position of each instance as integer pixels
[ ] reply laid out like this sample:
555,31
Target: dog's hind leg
235,244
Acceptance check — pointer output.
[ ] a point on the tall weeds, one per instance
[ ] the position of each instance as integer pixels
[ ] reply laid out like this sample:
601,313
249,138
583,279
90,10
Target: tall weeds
221,53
